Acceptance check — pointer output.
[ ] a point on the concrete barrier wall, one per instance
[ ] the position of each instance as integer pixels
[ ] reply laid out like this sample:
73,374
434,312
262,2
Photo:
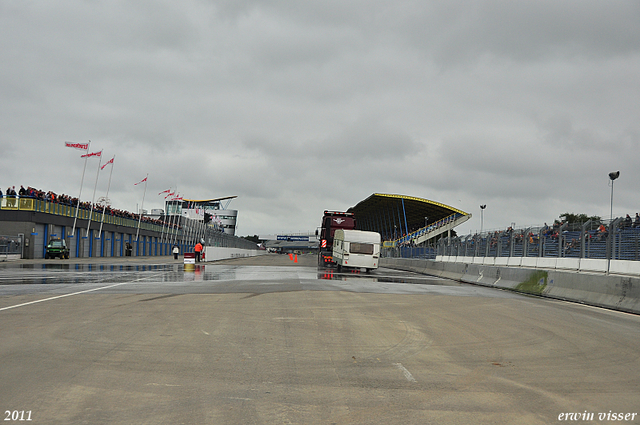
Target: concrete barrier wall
551,263
9,257
618,292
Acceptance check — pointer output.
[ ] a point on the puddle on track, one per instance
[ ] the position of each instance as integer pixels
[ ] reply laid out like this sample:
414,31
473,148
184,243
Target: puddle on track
76,273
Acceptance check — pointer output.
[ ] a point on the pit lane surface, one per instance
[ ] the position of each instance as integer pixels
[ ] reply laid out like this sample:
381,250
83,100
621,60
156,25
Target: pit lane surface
268,340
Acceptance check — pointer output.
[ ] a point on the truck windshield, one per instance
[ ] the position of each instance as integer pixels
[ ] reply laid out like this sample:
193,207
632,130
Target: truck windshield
361,248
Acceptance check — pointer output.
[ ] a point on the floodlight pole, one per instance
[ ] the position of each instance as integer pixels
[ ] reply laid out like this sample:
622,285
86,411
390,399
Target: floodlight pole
611,211
613,175
482,207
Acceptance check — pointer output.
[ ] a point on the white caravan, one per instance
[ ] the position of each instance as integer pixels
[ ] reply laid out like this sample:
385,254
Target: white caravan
356,248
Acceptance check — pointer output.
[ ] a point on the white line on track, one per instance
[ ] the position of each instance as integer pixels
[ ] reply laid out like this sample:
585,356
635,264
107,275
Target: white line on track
73,293
406,373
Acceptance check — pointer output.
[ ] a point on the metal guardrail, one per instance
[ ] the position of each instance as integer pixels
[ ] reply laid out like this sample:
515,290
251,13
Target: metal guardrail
38,205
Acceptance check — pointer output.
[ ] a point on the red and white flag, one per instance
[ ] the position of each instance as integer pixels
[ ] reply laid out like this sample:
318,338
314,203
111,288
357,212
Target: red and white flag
83,146
165,191
107,163
169,194
178,198
141,181
98,154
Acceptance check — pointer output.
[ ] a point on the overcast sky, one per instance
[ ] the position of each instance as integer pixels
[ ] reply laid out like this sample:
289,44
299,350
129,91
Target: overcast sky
300,106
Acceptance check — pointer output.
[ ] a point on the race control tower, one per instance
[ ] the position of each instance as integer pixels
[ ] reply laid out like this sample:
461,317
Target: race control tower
214,212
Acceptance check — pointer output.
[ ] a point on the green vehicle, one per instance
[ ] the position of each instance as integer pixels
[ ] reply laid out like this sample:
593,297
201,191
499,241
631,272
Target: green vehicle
57,248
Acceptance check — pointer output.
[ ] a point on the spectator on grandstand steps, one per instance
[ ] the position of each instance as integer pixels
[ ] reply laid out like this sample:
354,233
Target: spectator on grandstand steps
636,222
545,229
602,232
570,246
627,221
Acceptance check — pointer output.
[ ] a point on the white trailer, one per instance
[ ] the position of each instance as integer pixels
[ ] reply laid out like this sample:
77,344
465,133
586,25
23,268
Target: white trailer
356,249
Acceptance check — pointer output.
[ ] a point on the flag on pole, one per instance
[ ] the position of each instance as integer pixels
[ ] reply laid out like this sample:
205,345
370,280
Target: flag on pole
107,163
83,146
78,146
98,154
140,212
169,194
165,191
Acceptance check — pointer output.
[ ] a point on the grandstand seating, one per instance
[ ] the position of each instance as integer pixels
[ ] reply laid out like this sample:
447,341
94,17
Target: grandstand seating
568,243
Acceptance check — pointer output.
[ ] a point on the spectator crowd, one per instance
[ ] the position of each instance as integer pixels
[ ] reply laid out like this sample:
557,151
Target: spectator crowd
32,193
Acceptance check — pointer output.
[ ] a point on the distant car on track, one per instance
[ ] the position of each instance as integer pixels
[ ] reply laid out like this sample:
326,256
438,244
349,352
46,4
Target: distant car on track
57,248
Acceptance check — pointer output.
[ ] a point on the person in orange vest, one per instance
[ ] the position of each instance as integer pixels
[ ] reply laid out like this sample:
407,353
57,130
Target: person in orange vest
198,250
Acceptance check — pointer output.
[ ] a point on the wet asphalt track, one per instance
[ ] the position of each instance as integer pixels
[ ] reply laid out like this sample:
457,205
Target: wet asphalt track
270,341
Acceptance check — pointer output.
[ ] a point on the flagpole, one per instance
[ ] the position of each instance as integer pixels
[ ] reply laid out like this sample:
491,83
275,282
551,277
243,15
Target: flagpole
164,219
141,207
174,232
200,227
170,224
94,196
73,231
107,196
167,221
178,225
190,233
174,223
185,227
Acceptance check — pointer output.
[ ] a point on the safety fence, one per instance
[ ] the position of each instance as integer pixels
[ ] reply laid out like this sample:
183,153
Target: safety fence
10,246
609,240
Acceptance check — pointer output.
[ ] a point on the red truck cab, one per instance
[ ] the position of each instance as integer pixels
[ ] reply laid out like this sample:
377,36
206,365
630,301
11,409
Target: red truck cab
331,221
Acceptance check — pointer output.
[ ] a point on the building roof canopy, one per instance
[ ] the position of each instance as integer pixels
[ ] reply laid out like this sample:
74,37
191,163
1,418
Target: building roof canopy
381,207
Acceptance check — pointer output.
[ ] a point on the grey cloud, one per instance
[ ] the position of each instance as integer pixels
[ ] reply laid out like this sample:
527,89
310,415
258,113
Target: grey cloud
364,140
458,32
523,105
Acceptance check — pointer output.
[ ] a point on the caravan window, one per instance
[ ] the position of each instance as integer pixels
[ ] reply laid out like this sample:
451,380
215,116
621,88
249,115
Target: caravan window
361,248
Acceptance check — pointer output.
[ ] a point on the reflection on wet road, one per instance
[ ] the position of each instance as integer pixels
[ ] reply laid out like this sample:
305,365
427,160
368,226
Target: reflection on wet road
221,278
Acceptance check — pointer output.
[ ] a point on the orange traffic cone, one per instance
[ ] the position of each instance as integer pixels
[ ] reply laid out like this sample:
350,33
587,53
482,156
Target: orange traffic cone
291,256
296,260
